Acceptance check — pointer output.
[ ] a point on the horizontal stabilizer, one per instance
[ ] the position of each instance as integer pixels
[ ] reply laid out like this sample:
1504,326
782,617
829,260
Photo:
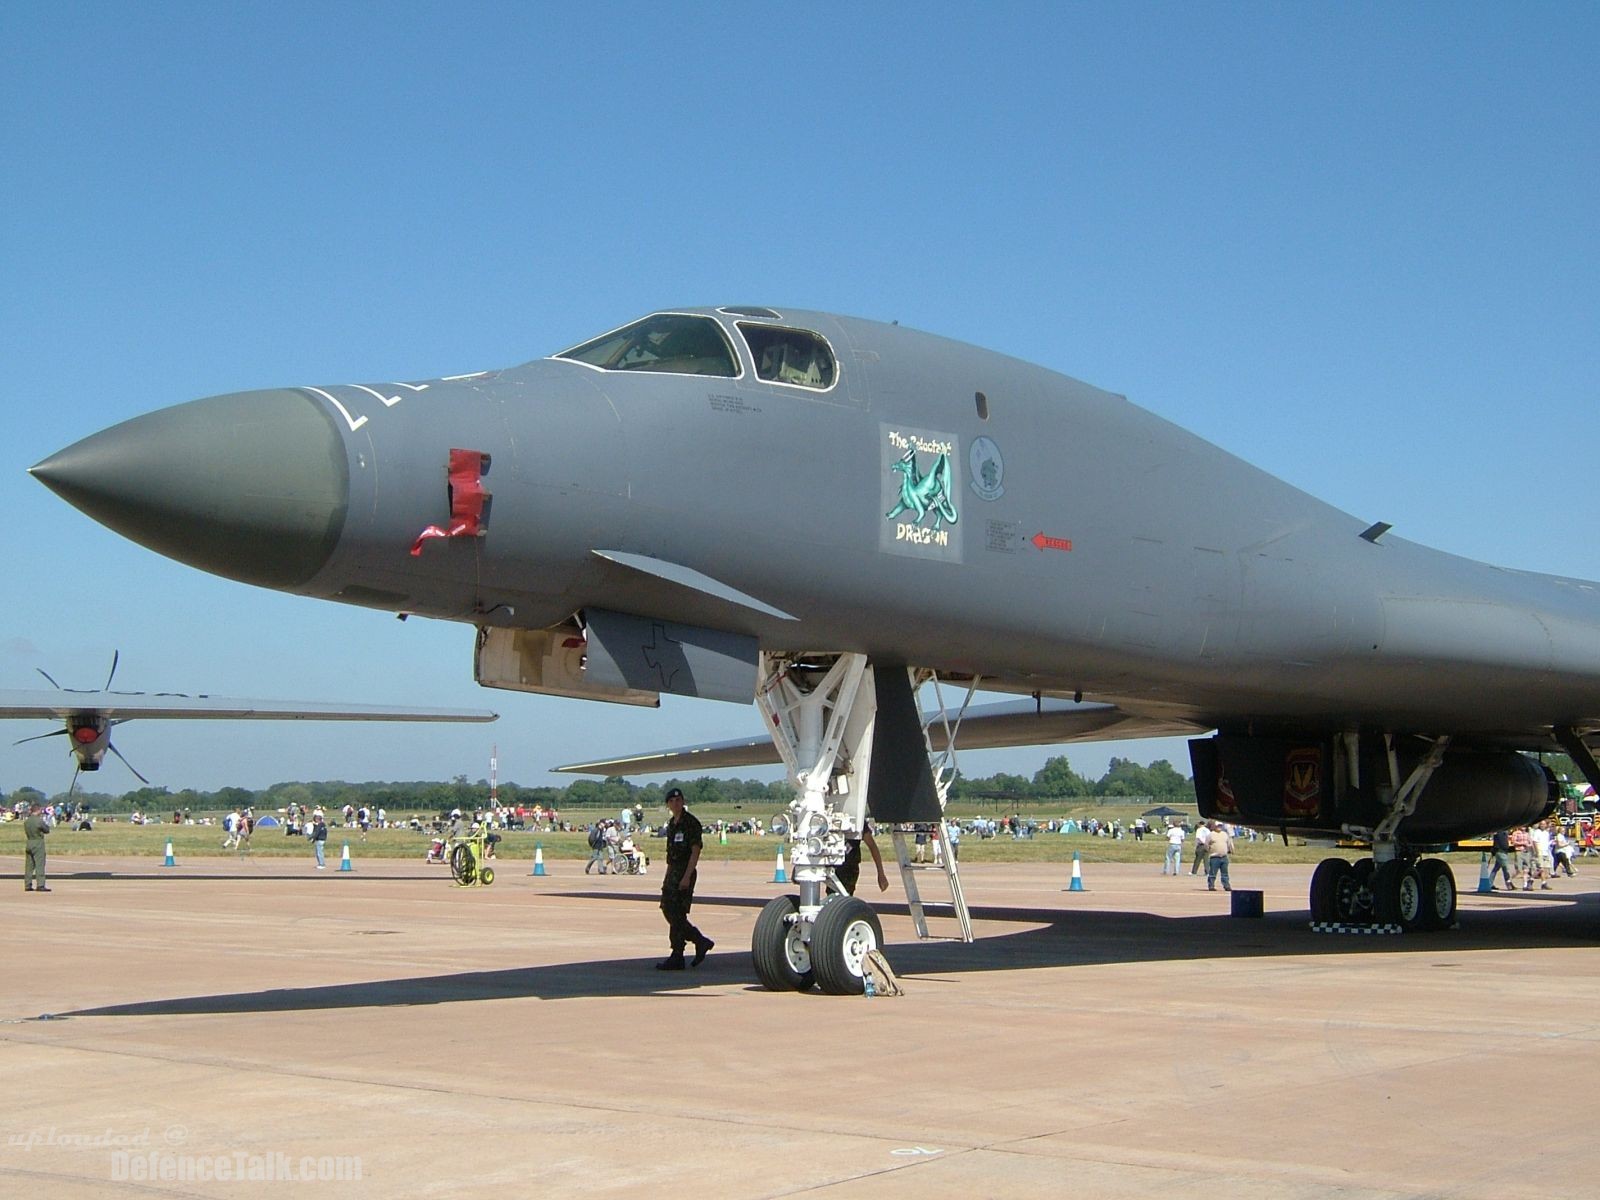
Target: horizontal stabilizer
125,706
986,727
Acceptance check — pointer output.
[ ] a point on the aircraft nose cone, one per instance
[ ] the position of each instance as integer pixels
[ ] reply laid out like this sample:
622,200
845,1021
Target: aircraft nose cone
253,485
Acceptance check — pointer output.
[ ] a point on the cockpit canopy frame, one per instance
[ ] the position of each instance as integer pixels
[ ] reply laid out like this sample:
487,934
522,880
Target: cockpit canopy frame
680,343
666,343
786,354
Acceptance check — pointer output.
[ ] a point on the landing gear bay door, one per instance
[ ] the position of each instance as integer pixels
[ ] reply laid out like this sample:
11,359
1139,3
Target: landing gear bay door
620,658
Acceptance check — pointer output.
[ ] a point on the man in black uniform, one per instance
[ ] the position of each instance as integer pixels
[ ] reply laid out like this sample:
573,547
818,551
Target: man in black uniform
677,888
850,870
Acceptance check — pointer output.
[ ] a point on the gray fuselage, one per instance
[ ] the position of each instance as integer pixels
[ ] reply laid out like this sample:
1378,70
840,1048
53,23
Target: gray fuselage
1095,547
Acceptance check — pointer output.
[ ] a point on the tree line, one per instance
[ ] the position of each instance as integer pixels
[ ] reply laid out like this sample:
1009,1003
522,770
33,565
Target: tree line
1056,780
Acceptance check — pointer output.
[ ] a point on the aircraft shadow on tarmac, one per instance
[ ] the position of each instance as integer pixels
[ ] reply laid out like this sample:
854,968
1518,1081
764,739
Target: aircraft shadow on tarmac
1052,939
229,876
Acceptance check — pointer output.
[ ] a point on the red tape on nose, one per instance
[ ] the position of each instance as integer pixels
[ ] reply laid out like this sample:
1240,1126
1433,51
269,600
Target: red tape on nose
466,499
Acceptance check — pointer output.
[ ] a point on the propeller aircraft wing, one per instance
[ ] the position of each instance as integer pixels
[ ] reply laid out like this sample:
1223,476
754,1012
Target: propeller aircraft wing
88,716
126,706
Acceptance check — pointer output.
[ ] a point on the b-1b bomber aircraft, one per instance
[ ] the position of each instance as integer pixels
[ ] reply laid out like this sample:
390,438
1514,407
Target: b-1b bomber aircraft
824,514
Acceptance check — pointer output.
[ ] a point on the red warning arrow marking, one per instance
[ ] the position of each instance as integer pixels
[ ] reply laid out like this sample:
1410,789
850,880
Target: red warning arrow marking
1045,542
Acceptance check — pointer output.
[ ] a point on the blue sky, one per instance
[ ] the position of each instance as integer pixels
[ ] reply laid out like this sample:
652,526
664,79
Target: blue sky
1356,244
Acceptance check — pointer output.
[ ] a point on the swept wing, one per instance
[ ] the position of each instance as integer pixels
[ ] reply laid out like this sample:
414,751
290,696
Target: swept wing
986,727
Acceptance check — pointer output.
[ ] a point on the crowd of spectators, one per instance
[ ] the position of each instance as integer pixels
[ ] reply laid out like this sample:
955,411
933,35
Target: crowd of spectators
1534,854
1542,852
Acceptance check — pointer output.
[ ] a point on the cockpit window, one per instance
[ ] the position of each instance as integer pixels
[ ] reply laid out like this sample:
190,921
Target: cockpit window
752,311
795,356
670,342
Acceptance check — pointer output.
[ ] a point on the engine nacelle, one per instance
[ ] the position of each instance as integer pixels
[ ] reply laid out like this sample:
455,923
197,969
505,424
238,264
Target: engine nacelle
1308,786
89,735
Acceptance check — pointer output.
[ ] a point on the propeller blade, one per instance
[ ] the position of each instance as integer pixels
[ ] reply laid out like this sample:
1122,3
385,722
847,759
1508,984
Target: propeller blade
37,736
46,674
128,764
115,655
73,789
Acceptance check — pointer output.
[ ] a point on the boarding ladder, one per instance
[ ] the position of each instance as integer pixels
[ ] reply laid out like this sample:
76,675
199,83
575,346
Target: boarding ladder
943,764
944,862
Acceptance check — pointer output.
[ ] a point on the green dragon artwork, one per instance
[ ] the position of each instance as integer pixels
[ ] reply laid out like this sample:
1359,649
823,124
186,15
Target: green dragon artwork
923,494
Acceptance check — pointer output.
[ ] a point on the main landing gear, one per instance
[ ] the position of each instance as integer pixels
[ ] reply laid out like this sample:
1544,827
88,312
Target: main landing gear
1415,894
1393,888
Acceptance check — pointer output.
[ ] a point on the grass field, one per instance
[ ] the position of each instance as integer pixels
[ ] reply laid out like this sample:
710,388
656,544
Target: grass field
120,839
